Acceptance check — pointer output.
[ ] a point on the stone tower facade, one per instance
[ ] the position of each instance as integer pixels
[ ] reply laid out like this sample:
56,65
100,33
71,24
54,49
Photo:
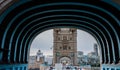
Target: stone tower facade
65,46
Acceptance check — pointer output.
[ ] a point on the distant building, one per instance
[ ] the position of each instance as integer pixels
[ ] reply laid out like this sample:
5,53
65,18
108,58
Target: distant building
49,60
93,57
32,62
79,53
82,59
79,56
35,61
40,58
93,54
96,49
89,59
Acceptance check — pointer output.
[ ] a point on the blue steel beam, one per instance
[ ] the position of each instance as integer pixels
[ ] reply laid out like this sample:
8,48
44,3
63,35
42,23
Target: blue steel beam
117,38
65,3
24,38
79,26
54,16
52,11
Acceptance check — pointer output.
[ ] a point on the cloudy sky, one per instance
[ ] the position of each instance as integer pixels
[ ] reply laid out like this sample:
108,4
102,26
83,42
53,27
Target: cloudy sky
44,42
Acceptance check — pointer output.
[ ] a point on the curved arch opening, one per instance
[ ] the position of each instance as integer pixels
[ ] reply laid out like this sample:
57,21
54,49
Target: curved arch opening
23,21
85,48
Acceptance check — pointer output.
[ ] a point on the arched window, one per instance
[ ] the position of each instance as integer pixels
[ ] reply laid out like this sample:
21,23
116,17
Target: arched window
58,38
70,38
64,38
60,47
64,47
69,48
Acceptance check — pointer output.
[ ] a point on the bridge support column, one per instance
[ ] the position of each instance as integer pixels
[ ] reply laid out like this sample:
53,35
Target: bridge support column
110,67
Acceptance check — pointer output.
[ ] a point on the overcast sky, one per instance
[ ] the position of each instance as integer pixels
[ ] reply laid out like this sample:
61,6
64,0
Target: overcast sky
44,42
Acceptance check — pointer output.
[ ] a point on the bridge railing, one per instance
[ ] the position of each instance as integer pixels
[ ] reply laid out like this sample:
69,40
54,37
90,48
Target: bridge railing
14,67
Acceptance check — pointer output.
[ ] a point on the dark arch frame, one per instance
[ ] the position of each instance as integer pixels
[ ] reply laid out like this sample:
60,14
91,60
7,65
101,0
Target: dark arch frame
28,18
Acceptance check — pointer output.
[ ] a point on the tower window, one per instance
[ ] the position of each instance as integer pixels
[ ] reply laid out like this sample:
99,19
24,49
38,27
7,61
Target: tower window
65,47
57,54
64,38
58,38
70,38
69,47
57,31
60,47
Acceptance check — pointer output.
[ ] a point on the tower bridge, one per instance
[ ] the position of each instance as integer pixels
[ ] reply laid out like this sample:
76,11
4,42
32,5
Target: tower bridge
22,20
65,46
